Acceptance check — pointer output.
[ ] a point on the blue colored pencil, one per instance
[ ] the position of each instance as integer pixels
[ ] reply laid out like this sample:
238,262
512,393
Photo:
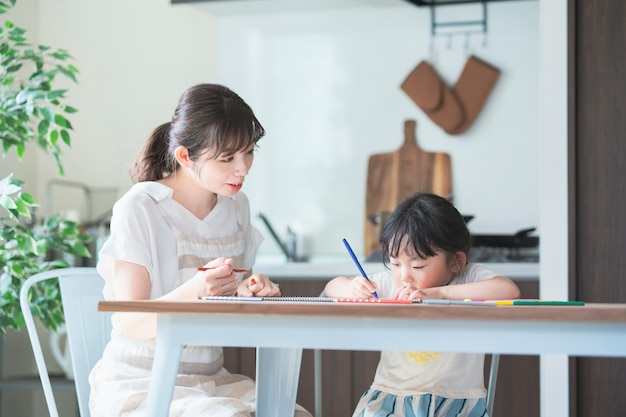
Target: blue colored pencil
358,265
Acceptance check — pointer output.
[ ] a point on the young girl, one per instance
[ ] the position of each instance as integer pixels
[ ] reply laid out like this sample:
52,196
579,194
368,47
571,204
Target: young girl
425,245
185,211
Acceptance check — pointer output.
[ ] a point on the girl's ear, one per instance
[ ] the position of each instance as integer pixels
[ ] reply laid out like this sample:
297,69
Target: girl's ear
458,261
182,156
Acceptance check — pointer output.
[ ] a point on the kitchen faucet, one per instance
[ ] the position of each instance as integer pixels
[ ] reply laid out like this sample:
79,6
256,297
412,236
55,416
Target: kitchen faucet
289,246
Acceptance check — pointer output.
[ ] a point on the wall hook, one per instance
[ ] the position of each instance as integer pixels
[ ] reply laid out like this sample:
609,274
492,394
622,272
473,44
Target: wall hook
452,27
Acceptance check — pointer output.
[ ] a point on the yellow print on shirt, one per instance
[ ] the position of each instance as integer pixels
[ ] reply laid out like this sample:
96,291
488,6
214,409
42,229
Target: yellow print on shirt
421,358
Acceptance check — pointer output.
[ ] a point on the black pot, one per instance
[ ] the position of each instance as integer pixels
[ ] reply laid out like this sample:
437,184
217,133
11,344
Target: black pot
468,218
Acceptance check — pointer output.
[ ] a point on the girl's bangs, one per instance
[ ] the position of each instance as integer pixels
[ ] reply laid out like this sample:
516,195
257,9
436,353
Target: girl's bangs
410,239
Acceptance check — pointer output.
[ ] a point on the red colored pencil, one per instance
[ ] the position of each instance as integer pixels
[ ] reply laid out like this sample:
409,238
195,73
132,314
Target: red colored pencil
203,268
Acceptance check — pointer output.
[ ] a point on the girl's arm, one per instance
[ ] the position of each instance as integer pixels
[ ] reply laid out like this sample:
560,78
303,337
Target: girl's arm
496,288
357,287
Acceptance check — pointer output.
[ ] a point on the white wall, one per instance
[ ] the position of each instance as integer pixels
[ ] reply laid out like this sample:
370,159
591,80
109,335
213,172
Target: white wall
324,81
326,86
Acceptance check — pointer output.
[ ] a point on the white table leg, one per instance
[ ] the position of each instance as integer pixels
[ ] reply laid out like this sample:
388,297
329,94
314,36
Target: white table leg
277,375
164,370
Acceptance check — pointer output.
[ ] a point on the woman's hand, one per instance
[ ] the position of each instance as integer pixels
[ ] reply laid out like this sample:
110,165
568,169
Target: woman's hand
217,279
258,285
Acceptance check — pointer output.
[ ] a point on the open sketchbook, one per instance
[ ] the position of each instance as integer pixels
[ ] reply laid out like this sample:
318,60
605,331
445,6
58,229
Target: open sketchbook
517,302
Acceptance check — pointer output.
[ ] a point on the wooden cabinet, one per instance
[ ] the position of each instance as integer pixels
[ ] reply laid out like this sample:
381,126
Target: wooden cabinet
346,375
597,190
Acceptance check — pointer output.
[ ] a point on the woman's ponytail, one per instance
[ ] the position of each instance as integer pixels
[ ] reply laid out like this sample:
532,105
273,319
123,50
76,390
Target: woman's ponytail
153,161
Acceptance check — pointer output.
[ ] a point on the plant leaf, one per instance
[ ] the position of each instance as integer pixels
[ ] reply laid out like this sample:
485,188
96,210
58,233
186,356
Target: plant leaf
47,113
54,136
80,249
66,137
28,199
62,121
52,95
22,208
7,202
43,127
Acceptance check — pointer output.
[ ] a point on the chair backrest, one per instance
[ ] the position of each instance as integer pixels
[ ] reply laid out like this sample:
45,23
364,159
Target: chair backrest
88,331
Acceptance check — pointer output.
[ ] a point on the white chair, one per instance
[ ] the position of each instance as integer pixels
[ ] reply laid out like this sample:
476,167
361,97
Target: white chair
88,331
493,380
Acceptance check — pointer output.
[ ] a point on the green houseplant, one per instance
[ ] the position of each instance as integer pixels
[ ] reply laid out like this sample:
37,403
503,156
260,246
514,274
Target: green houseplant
32,111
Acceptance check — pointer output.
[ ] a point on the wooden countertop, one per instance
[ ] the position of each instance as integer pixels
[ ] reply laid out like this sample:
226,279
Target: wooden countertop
595,312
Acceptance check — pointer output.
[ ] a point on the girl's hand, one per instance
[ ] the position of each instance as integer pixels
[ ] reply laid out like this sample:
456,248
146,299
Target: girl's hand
409,293
218,279
258,285
361,287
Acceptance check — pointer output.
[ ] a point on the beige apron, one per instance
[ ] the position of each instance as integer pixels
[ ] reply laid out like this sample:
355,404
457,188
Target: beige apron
203,386
196,251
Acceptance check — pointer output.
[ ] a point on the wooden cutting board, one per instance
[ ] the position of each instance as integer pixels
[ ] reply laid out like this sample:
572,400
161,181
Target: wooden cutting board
394,176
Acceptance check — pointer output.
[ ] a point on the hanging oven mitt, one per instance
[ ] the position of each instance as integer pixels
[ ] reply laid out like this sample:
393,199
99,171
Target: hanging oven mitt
431,94
472,89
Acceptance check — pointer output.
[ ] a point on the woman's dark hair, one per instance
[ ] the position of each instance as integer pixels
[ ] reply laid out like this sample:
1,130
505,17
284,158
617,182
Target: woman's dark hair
430,222
208,117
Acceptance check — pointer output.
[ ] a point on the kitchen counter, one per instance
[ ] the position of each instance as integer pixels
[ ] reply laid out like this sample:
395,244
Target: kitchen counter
325,268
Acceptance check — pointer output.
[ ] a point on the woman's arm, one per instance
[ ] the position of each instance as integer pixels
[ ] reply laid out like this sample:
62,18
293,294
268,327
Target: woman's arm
132,282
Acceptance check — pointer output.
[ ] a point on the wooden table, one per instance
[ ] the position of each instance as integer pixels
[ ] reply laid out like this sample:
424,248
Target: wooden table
280,330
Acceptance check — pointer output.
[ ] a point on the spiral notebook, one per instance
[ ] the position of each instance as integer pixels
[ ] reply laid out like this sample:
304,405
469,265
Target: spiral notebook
311,300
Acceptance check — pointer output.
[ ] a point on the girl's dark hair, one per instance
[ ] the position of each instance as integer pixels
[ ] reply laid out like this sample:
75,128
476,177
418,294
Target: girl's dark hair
430,222
208,117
